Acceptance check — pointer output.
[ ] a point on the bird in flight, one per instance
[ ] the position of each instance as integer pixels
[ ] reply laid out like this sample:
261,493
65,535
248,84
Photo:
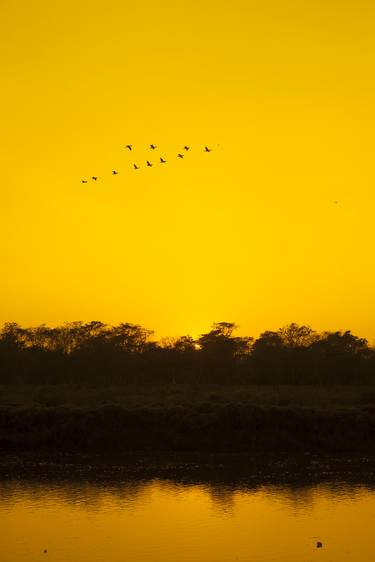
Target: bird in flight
180,155
186,147
206,149
162,161
94,178
153,146
136,167
148,163
129,146
84,181
114,173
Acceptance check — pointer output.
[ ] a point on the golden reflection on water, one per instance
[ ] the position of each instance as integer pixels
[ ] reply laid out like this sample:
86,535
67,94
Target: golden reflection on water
164,521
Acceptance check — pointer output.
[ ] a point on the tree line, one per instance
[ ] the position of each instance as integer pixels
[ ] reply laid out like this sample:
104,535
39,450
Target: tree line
97,354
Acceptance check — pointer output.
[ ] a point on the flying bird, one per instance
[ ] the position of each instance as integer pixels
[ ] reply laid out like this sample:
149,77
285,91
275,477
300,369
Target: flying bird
180,155
94,178
186,147
135,167
129,146
162,161
114,173
206,149
84,181
148,163
153,146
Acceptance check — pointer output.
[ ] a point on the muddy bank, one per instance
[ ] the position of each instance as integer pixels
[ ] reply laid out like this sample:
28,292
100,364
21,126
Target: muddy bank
203,428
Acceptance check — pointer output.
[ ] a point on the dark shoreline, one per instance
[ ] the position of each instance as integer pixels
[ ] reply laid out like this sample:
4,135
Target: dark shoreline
195,428
235,470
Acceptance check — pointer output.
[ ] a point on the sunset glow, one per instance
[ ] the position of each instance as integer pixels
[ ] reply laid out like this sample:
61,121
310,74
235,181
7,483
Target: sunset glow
283,94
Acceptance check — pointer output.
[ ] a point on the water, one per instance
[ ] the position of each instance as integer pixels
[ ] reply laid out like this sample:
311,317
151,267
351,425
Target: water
169,522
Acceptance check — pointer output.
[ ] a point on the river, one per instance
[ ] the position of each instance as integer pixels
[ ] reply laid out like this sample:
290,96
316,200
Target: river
162,520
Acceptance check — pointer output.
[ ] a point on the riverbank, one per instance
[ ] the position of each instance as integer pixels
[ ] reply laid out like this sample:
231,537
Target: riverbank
225,469
191,427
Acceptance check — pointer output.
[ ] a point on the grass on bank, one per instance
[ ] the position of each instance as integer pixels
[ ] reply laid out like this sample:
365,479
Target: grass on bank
159,397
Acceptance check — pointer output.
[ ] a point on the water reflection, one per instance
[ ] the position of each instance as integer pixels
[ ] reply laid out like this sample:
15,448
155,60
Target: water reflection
168,521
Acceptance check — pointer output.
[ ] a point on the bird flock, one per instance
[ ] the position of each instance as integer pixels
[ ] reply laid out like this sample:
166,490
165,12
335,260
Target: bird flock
149,163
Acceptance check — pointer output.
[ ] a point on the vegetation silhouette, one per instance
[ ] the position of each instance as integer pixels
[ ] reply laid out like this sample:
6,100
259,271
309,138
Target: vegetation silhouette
96,354
94,387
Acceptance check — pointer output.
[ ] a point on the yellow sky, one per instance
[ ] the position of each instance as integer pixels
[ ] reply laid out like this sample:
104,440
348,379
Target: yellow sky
283,91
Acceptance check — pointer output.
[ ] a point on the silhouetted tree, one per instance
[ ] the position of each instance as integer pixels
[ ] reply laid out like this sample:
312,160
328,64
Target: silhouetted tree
340,357
221,352
294,335
268,358
94,353
177,360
